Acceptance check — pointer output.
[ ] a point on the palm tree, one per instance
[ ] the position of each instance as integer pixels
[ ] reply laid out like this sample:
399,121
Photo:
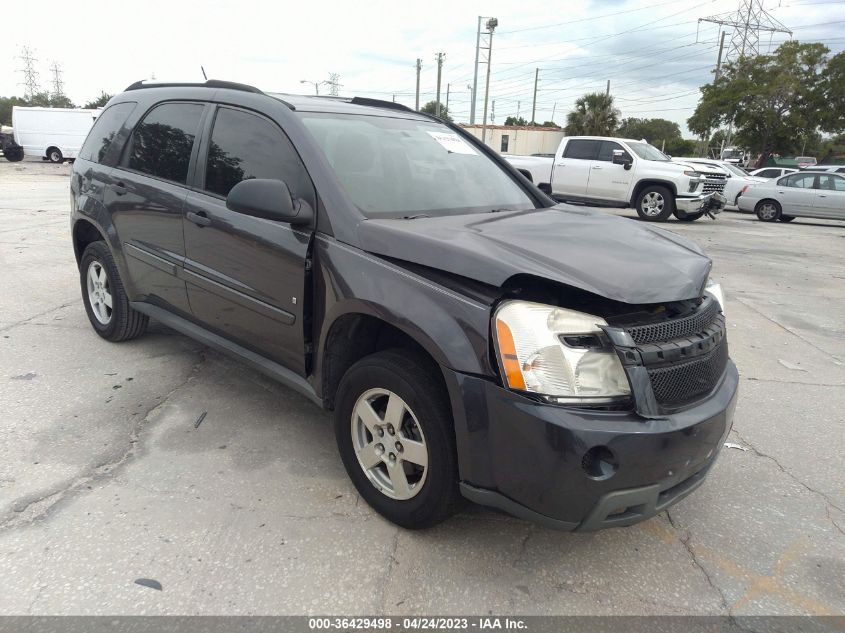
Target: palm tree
593,115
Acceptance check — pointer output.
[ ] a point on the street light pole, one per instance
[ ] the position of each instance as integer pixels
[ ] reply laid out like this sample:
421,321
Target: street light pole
316,84
492,23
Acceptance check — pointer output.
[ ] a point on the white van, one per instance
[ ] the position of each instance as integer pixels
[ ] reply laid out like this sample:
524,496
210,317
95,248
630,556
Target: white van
52,133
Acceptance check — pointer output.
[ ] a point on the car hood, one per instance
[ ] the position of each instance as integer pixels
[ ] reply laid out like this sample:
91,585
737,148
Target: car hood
613,257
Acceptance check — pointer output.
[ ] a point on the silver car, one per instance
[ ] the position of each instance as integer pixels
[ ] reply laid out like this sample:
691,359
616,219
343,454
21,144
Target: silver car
806,194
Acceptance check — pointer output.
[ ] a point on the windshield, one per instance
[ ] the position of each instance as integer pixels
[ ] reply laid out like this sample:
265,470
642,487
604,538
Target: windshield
732,153
736,171
393,167
648,152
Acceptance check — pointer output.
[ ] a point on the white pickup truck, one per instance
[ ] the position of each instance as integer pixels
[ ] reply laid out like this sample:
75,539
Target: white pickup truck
625,173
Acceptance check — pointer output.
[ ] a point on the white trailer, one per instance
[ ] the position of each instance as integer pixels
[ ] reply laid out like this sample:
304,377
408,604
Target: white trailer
52,133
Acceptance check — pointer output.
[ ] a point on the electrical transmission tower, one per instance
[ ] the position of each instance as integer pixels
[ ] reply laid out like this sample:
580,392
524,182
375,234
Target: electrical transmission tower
333,84
749,20
30,75
58,84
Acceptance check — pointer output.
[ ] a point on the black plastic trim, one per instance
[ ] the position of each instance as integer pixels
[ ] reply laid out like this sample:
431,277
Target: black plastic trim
211,83
493,499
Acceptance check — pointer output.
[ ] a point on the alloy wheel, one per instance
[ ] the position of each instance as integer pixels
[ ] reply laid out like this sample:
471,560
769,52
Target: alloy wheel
652,204
389,443
768,211
99,292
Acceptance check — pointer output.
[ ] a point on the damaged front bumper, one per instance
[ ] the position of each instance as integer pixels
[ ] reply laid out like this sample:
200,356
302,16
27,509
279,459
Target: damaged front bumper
710,204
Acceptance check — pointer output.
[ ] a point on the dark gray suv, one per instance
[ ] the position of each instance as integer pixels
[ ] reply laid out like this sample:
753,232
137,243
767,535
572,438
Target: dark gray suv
474,339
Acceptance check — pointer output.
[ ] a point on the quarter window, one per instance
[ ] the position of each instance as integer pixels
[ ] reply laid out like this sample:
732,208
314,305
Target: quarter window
104,130
582,149
162,143
245,146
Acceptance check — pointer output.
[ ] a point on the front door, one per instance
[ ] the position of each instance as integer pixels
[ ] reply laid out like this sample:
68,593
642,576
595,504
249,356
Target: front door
607,180
146,196
246,276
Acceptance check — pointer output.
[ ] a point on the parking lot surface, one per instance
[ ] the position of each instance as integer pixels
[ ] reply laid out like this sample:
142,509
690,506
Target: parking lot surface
106,479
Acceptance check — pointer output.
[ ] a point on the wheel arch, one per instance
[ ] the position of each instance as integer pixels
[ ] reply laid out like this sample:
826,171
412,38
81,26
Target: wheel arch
85,232
642,184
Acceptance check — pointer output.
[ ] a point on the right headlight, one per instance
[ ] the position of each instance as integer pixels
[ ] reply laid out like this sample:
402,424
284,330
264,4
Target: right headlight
560,354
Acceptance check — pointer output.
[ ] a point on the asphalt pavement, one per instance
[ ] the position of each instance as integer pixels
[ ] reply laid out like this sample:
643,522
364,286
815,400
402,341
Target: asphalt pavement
106,479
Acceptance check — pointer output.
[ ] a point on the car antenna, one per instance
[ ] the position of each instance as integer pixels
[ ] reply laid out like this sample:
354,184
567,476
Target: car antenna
203,73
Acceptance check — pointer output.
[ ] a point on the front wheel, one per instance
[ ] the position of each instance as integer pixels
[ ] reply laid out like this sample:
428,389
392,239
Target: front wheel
55,155
394,430
655,204
768,210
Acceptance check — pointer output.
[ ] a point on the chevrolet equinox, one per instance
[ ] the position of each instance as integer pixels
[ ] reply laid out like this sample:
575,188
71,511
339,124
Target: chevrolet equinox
474,339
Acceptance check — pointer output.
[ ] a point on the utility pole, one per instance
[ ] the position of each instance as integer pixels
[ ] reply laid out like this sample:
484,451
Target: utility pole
419,67
607,92
30,75
475,74
553,111
534,103
719,60
58,84
439,59
492,23
447,98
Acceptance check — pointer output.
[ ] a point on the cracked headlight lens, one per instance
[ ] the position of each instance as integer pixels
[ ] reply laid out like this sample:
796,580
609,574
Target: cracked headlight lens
561,354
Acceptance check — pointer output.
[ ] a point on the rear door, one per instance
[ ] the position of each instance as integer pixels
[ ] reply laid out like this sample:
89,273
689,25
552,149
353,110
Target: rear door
246,276
830,197
796,193
146,197
609,181
571,173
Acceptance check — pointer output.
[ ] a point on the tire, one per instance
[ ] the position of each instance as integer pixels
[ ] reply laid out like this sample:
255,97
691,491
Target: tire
688,217
655,204
13,154
54,155
786,218
768,210
408,383
118,322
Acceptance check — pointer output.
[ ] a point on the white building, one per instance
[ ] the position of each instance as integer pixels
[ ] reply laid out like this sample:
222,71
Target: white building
521,140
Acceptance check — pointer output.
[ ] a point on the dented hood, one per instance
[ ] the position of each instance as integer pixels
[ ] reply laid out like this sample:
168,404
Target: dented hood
609,256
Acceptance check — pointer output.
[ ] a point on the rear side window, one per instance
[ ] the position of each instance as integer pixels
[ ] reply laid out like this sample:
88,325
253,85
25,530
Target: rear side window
580,148
833,183
245,146
769,173
104,130
161,144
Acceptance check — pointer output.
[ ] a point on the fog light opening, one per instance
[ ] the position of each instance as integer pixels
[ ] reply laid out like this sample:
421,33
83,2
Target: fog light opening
599,463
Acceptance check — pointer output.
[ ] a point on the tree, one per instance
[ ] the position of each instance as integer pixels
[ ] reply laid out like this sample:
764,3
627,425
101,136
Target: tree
512,120
655,131
774,102
6,104
594,114
550,124
99,102
431,108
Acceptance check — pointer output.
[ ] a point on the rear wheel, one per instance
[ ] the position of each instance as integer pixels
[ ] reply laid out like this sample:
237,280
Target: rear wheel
768,210
786,218
394,431
104,297
54,154
655,204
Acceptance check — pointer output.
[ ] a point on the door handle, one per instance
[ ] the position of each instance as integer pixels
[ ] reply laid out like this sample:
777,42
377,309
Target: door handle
119,188
821,195
596,166
199,218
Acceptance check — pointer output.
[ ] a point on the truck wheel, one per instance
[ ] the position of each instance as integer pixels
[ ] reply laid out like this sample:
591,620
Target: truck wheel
688,217
104,297
394,430
768,210
655,204
54,154
13,154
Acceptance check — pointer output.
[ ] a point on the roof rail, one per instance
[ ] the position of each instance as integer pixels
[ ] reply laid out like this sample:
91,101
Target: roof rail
380,103
211,83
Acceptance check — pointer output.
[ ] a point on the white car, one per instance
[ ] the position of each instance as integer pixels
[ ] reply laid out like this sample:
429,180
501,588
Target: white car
773,172
839,169
737,178
807,194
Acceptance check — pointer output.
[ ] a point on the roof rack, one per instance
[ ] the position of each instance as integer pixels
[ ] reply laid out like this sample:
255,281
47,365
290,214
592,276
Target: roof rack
379,103
211,83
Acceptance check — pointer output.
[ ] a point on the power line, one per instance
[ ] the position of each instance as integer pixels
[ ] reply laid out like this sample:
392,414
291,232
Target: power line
748,22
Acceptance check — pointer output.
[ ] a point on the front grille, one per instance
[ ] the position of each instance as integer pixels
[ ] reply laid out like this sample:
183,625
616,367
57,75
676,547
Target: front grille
676,328
714,184
679,384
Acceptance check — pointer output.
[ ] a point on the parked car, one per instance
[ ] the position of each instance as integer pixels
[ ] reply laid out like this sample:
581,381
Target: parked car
839,169
623,173
803,194
473,338
55,134
773,172
737,178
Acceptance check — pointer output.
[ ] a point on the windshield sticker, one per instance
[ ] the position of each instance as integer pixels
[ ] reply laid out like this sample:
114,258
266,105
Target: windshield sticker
453,143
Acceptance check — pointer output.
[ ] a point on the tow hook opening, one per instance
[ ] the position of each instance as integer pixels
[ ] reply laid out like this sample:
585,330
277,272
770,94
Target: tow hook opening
599,463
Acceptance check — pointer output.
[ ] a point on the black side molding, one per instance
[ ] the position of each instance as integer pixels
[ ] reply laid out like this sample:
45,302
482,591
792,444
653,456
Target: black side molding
256,361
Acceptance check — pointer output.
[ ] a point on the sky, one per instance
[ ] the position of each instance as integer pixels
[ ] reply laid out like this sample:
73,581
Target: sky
655,53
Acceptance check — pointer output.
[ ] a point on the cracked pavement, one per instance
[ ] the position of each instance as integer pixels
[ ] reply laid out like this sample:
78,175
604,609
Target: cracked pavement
105,478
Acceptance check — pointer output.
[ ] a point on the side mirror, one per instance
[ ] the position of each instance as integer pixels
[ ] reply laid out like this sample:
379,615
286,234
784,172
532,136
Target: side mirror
268,199
619,158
